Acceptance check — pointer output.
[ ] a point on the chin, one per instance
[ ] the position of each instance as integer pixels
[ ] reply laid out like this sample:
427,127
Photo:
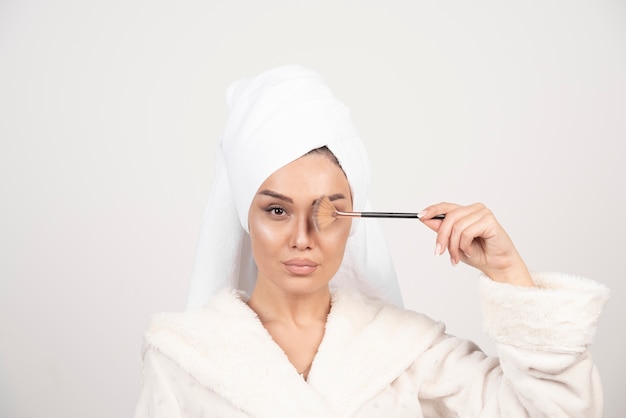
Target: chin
302,286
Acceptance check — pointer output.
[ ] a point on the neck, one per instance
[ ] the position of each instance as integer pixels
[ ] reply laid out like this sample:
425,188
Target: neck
277,305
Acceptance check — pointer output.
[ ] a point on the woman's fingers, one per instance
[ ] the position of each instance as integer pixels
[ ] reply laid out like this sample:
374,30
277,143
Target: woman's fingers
458,231
473,235
454,229
426,215
464,231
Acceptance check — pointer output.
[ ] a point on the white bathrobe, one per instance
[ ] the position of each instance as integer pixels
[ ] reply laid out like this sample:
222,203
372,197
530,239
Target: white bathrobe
377,360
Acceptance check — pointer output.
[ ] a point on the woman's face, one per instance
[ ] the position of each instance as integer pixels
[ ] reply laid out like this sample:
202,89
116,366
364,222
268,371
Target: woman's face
290,254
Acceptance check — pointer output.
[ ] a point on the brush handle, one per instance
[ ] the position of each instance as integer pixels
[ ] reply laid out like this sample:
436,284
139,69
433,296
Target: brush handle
395,215
384,215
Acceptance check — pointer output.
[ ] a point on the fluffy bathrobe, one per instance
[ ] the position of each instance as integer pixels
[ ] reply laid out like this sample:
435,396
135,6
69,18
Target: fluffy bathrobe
377,360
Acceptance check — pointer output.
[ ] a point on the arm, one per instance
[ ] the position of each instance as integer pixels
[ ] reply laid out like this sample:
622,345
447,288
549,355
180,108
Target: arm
542,326
543,369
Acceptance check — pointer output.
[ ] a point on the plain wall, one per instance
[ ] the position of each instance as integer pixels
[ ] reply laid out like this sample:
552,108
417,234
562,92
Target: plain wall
109,115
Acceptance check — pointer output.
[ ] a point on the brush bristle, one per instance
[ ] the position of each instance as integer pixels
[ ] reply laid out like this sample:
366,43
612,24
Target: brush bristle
324,213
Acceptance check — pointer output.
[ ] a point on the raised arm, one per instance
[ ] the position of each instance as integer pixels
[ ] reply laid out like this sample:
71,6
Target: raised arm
542,324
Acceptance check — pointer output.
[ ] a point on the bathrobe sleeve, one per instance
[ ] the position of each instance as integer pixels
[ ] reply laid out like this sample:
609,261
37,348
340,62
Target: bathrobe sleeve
157,398
543,368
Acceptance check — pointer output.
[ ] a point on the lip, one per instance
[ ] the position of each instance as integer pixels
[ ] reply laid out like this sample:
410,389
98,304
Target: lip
301,266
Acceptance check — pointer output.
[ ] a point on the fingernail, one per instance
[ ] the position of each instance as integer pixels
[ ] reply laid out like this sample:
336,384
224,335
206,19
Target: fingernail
420,215
453,262
466,254
438,249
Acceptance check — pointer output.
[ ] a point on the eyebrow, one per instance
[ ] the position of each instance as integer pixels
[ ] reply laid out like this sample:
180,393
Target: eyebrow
276,195
336,196
284,198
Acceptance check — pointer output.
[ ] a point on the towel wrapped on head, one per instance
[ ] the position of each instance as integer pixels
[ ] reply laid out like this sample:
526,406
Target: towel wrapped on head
274,119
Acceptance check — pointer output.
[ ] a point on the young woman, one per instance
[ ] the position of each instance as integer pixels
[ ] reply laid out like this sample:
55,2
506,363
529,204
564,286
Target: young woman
319,334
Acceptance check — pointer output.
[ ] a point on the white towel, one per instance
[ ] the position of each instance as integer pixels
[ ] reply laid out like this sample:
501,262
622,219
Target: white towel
275,118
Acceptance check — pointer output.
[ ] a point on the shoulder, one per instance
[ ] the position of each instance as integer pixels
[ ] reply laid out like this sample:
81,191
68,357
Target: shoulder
225,312
368,331
353,299
362,311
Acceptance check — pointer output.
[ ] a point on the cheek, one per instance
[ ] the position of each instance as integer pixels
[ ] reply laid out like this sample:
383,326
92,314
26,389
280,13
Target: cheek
263,236
336,239
261,231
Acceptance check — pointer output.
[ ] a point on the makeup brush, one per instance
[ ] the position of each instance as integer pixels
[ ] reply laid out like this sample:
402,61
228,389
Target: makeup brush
325,213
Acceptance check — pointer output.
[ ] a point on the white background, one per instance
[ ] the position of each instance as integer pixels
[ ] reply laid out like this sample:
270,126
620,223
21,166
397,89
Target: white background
109,113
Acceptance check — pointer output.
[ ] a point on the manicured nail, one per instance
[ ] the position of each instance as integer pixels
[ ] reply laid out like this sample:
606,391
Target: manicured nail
453,262
438,249
420,215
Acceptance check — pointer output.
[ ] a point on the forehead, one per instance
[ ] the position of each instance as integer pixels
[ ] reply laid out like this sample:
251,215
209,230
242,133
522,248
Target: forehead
313,174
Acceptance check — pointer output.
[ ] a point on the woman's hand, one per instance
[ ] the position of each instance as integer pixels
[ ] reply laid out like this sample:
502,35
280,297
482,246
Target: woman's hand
473,235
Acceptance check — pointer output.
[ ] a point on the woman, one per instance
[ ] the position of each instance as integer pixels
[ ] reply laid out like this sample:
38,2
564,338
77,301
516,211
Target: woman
319,335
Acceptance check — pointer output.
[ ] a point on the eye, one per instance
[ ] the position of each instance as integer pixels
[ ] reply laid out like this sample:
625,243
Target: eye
276,211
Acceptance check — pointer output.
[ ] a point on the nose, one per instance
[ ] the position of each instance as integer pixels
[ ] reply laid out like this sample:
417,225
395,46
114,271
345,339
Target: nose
301,237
